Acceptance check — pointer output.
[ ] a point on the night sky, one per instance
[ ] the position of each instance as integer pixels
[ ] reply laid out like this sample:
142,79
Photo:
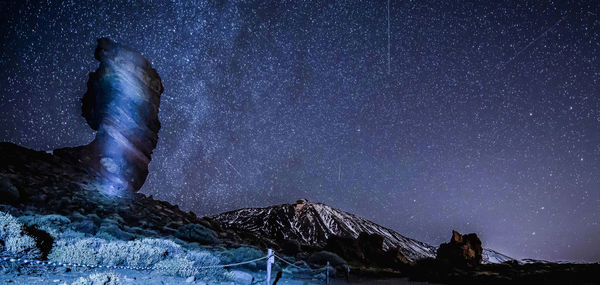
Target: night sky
468,115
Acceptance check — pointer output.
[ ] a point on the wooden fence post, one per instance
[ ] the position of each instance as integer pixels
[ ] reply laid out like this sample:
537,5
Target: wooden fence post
270,259
327,282
348,273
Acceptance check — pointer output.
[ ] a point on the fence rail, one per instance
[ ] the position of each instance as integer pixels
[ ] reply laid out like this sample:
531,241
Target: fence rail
270,257
300,267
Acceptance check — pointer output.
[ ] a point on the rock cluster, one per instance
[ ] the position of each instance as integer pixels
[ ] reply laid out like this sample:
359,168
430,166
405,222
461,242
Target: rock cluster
366,249
47,184
461,250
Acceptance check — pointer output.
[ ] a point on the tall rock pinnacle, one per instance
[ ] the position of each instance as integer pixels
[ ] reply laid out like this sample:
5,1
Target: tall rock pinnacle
121,104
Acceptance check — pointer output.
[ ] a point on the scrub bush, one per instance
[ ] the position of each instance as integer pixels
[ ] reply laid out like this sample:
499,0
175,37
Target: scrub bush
15,240
144,252
176,266
99,279
165,256
52,224
82,251
241,254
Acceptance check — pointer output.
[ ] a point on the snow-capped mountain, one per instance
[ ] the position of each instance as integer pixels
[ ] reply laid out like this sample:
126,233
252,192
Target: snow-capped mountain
313,223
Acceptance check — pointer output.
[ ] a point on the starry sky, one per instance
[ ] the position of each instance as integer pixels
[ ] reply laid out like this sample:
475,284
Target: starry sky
423,116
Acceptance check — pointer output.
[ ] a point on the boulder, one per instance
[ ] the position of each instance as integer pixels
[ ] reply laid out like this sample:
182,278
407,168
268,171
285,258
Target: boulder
320,258
9,194
396,256
371,245
114,231
366,249
196,233
85,226
461,250
290,247
346,247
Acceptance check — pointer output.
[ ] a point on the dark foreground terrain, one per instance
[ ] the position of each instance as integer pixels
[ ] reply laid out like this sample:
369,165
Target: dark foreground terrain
505,273
46,191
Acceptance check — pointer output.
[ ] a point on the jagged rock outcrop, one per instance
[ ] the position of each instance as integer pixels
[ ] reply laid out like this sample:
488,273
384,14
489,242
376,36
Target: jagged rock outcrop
461,250
121,104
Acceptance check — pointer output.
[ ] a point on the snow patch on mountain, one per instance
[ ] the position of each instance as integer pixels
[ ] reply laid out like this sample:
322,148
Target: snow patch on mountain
492,256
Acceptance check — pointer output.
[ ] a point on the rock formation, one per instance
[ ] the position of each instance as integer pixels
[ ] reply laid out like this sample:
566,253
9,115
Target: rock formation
461,250
121,104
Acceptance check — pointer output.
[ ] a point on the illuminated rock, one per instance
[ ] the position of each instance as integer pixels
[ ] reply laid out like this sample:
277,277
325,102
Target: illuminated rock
461,250
121,104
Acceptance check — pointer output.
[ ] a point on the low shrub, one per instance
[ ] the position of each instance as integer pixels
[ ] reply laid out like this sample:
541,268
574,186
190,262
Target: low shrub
182,267
114,231
52,224
9,226
15,240
164,256
196,233
203,258
99,279
82,251
242,254
144,252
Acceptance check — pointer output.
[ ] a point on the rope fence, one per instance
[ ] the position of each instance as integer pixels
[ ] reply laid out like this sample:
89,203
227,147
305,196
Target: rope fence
299,267
232,264
270,257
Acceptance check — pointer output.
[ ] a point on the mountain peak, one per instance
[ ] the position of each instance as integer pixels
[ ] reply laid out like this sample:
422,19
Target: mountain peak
300,205
302,201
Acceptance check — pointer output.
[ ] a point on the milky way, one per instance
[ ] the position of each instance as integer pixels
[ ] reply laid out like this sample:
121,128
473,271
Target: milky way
475,116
